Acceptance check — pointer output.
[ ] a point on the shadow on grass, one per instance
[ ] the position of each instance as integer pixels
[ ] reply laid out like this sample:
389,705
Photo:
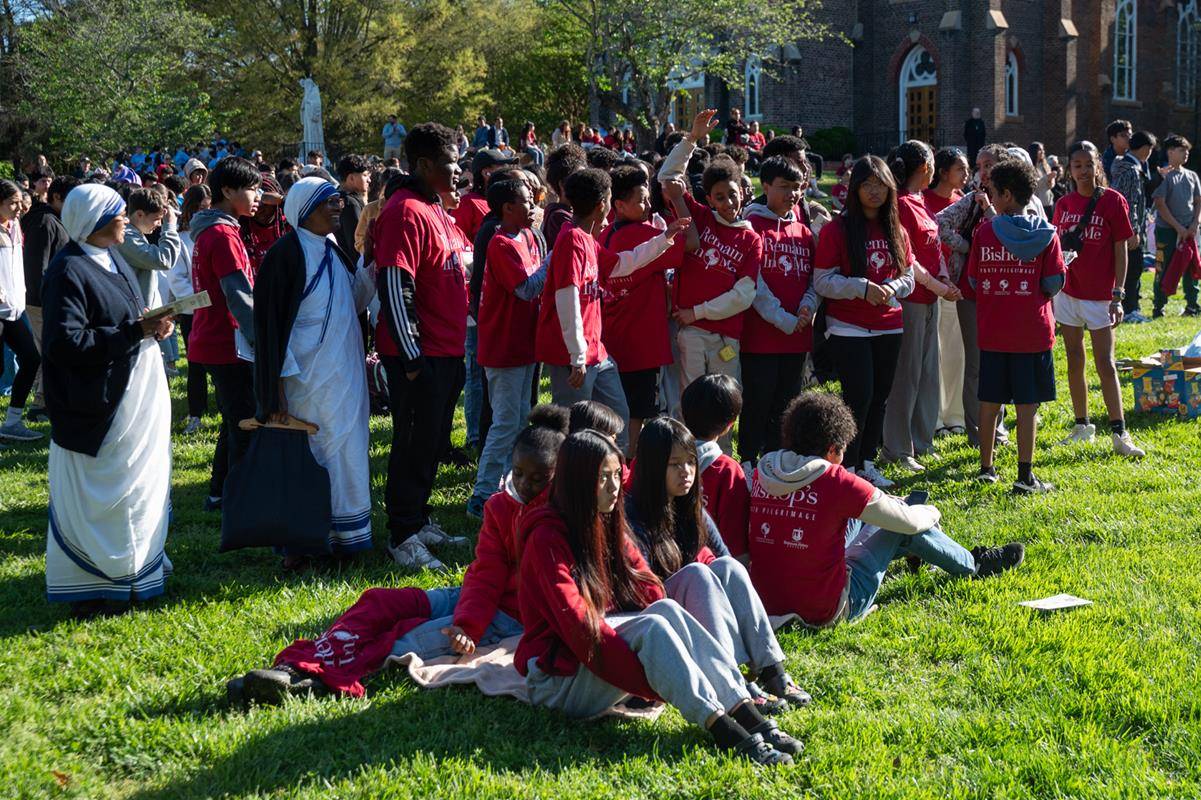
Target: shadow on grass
497,733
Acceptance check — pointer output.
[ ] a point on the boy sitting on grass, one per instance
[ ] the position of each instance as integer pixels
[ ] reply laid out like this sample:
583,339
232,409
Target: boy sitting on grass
711,405
1015,268
821,537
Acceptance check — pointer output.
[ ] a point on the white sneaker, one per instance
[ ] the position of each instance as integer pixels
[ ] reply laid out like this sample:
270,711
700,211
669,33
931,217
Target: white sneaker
432,535
1081,433
872,475
413,554
18,432
1123,445
909,463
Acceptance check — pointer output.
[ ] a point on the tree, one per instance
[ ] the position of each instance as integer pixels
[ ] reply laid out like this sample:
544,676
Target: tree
103,74
637,48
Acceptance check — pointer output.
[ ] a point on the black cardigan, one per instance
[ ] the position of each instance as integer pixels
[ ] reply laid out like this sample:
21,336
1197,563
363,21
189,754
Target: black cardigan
278,288
90,341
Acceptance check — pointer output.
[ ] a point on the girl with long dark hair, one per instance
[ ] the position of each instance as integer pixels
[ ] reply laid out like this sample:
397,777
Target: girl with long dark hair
862,268
912,411
684,548
15,331
598,627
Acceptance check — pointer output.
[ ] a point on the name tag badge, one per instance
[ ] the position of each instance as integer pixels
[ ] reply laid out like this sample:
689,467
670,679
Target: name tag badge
727,353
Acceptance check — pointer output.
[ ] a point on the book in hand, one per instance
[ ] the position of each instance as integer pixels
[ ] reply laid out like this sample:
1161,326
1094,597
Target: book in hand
182,305
1057,602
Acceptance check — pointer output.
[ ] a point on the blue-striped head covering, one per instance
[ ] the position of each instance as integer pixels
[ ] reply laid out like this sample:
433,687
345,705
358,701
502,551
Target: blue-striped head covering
89,208
304,197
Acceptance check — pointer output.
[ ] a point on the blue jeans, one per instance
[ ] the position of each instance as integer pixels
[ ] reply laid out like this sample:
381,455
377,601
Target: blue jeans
869,551
509,396
428,641
602,383
473,389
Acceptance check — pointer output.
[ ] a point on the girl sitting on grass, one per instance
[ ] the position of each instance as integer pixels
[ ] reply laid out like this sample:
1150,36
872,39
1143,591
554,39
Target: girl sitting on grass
599,627
683,547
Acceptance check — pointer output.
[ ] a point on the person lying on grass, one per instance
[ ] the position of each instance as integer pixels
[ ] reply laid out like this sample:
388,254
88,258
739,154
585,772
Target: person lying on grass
431,623
599,628
821,537
684,548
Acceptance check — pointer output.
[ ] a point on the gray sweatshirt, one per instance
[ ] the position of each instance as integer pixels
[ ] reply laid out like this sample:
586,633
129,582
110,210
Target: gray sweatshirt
147,259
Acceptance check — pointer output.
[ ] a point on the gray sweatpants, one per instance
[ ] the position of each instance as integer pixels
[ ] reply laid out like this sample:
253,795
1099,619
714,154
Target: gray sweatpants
684,665
912,412
725,603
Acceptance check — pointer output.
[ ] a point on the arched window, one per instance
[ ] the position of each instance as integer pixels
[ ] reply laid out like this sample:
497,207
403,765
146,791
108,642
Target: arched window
751,87
1188,32
918,90
1011,85
1125,50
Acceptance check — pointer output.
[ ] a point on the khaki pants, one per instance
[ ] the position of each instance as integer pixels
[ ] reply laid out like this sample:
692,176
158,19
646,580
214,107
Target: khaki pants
35,321
700,355
950,366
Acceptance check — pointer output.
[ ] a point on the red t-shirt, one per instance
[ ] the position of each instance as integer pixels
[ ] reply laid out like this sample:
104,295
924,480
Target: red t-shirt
832,253
469,216
798,543
506,322
756,141
1012,313
726,255
839,192
218,252
1091,275
787,269
634,307
576,260
922,228
417,236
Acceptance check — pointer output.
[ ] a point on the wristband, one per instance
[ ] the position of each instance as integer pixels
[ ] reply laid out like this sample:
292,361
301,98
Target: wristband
1118,294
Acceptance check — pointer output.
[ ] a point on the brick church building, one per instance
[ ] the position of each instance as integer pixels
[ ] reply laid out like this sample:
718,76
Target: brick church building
1049,70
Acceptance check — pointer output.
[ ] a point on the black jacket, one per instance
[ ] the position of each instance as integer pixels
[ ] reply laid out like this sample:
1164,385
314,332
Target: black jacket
278,289
44,237
90,341
348,222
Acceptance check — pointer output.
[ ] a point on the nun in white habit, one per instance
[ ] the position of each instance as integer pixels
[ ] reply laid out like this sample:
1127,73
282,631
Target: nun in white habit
110,417
309,359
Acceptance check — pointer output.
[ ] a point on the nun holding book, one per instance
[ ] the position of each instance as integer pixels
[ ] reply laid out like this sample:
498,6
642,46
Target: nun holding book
110,417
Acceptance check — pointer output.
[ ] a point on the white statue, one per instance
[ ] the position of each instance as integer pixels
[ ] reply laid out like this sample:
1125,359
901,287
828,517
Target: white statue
310,119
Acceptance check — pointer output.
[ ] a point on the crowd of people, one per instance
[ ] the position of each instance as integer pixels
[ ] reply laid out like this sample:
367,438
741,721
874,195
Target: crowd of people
678,319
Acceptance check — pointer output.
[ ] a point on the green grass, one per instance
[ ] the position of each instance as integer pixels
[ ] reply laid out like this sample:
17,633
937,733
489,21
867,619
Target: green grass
950,690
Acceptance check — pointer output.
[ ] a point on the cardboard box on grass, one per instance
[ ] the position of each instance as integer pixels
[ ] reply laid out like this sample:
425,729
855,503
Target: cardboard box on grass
1166,383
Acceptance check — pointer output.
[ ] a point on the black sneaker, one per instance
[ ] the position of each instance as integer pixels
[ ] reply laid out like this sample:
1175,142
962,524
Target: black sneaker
786,689
458,457
988,475
995,560
271,686
755,748
1157,313
36,414
1032,485
1191,311
778,739
212,503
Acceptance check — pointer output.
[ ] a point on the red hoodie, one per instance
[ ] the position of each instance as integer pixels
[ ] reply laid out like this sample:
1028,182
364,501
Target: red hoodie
491,581
728,501
553,611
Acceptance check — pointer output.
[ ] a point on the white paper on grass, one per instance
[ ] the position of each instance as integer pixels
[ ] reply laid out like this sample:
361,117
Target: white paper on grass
1194,348
1058,602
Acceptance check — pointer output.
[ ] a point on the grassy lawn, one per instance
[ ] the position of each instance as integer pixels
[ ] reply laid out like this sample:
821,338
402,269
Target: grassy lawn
950,690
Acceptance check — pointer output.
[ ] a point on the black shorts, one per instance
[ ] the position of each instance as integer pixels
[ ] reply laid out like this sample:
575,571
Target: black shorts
1020,378
642,392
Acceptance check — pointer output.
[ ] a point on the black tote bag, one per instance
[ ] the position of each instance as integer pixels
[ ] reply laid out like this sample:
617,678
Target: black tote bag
277,496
